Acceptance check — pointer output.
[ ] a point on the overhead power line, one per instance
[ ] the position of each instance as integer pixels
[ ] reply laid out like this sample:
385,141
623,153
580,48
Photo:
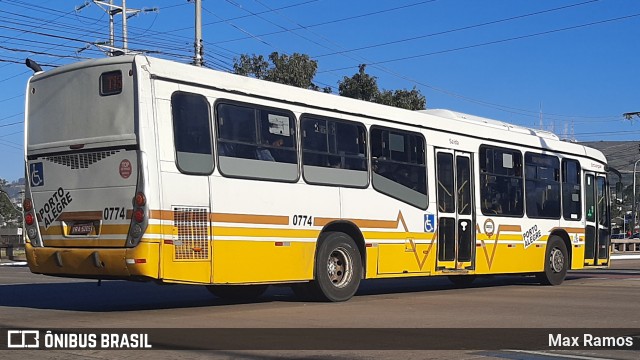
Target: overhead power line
326,22
496,41
517,17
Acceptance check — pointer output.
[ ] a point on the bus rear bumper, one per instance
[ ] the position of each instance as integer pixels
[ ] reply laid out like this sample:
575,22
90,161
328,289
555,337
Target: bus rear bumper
100,263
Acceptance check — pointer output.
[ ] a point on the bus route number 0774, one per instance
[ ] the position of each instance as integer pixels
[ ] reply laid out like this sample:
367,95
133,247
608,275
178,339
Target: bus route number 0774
302,220
113,213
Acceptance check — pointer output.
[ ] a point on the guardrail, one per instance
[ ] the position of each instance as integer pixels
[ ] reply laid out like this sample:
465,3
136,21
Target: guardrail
624,245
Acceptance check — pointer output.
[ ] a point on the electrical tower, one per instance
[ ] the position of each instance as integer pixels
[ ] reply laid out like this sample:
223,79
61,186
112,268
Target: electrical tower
112,10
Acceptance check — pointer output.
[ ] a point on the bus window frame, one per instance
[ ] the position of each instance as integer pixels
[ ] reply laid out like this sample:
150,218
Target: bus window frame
255,162
419,135
563,184
328,169
558,181
481,161
173,129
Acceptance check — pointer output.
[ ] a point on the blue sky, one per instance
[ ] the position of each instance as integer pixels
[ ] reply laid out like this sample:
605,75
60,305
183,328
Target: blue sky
573,64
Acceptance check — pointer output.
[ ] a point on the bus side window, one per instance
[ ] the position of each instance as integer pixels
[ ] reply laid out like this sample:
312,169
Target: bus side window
236,131
256,142
501,181
333,151
542,185
398,161
571,190
192,133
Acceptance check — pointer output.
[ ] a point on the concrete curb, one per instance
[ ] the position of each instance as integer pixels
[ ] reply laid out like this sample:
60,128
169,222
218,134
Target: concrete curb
13,263
625,256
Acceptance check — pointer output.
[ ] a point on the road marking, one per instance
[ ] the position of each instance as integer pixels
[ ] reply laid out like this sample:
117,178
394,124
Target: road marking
556,355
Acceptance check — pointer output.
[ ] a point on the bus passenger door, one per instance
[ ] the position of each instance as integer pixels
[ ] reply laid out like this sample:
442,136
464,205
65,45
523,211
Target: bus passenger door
597,220
456,230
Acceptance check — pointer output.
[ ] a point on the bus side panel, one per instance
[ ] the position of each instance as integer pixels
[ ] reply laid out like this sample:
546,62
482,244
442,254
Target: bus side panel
500,246
259,232
395,230
577,255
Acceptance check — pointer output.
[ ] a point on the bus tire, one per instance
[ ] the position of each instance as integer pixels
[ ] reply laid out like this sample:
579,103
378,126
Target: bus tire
462,280
556,262
338,268
237,292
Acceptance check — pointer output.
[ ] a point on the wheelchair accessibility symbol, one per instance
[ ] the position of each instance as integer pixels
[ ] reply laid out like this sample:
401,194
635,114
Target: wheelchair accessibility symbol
429,223
36,173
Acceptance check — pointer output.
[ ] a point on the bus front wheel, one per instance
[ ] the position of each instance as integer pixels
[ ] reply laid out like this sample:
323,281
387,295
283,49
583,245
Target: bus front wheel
556,262
338,268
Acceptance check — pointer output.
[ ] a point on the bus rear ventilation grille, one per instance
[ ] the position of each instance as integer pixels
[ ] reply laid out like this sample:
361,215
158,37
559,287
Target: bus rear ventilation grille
82,160
192,224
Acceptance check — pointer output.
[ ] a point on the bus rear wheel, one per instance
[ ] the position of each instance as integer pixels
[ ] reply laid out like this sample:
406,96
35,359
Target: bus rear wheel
556,262
237,292
338,268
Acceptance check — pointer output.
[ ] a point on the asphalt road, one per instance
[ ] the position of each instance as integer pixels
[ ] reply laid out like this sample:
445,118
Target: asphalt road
586,300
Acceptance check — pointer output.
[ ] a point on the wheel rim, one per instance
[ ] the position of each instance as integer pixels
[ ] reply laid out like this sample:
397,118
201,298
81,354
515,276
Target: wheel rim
556,260
340,267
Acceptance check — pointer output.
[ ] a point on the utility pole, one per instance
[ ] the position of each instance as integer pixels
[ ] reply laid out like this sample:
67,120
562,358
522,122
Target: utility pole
197,44
112,41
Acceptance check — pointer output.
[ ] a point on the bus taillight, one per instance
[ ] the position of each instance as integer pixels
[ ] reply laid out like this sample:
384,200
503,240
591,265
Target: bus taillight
140,199
138,215
30,222
27,205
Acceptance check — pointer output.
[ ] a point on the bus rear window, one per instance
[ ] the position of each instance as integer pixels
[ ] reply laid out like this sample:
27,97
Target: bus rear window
111,83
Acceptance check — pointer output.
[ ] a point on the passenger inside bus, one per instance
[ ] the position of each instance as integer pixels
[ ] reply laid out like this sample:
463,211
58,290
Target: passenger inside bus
263,153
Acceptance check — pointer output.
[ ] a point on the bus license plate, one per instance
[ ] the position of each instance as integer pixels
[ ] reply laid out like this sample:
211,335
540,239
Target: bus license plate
81,229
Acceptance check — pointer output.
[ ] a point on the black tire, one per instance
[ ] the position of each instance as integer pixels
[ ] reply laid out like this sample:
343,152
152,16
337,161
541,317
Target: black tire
338,268
462,280
237,292
556,262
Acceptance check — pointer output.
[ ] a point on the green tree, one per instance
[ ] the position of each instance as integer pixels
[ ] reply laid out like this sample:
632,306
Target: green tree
405,99
254,65
360,86
7,210
365,87
296,70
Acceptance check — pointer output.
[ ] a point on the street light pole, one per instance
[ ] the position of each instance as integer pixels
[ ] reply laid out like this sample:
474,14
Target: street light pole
633,209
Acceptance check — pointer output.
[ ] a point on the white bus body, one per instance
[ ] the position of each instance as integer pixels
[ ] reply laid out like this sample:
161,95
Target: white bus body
129,176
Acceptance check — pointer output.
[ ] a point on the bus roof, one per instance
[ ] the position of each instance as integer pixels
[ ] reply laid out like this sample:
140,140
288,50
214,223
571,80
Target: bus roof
437,119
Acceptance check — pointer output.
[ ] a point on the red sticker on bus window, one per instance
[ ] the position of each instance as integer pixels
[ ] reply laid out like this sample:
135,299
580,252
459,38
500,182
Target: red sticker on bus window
125,168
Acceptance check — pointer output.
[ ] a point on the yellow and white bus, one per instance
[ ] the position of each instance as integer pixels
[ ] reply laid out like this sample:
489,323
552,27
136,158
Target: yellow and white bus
145,169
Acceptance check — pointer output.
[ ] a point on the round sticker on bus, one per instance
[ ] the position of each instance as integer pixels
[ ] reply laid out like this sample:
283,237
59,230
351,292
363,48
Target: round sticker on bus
489,227
125,168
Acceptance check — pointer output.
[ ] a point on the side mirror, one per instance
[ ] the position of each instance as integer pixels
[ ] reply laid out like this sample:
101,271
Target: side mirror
619,196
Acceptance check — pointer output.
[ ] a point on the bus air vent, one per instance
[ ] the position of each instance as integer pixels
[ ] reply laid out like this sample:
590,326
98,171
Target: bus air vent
82,160
192,241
